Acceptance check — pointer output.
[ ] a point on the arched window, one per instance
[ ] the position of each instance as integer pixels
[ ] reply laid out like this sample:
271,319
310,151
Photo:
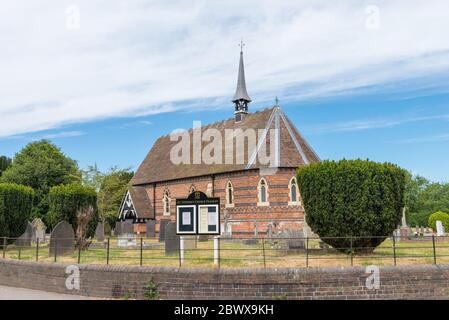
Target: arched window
229,194
294,192
166,202
263,192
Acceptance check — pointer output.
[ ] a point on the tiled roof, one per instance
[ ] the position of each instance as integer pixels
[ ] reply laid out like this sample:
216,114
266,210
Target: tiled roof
293,150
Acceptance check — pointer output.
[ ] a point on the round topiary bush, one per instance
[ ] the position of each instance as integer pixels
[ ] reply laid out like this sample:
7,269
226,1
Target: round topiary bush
16,204
353,205
66,200
439,215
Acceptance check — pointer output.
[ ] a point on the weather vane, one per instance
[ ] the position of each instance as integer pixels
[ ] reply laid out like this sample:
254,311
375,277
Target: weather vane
277,100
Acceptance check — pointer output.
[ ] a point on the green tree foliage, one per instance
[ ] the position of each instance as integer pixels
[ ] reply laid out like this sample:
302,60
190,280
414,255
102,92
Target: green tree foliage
5,162
16,203
41,165
66,200
352,198
439,215
423,198
113,187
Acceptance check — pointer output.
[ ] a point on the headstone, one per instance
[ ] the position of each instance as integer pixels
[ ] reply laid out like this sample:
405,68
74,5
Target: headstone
162,225
39,229
127,240
151,226
440,229
62,239
25,239
256,231
296,239
416,231
397,235
99,232
171,238
122,227
270,231
404,232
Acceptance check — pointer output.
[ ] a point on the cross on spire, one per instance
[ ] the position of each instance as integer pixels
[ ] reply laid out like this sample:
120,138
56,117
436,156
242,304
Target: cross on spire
241,45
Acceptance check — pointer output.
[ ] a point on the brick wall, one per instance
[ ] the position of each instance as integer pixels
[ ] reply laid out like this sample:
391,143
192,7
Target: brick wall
403,282
245,211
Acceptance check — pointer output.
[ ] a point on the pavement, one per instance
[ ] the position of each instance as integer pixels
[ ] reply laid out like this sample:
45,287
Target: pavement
11,293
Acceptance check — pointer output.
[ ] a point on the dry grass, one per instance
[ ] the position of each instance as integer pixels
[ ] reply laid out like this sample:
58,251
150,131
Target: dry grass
238,254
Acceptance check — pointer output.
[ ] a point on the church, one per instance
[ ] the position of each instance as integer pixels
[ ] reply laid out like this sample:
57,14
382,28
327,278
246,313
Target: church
254,196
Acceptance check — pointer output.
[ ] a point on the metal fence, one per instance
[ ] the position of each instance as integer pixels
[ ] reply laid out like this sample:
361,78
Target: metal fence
235,252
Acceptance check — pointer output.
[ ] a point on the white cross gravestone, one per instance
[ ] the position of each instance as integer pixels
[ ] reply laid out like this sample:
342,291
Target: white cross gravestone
440,229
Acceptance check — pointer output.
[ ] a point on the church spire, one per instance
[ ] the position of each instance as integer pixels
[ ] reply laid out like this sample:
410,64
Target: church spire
241,97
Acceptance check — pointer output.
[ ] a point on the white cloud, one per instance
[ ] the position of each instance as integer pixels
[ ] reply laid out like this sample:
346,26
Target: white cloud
367,124
144,57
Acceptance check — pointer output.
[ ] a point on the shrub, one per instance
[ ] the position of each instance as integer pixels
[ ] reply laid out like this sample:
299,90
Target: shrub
359,201
16,204
439,215
151,290
66,200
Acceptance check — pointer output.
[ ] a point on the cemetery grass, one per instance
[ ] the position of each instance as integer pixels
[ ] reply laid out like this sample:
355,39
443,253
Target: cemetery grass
239,255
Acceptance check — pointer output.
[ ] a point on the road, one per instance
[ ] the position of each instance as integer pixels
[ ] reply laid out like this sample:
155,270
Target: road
10,293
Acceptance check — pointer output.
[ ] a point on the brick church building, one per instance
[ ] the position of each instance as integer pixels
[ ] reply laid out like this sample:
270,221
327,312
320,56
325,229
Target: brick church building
252,195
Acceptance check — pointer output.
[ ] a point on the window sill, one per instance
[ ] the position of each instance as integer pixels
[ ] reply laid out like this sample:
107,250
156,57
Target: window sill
263,204
294,203
229,205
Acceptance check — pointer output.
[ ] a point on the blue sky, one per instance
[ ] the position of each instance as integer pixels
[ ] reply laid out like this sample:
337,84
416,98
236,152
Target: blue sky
104,81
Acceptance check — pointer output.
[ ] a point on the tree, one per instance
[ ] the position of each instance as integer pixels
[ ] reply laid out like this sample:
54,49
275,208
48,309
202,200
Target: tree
5,162
16,203
41,165
113,187
424,197
84,217
439,215
355,203
67,200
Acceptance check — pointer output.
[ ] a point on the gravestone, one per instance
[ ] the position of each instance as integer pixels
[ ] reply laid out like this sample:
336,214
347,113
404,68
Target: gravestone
440,229
397,235
171,238
39,229
25,239
270,231
99,231
151,229
123,227
127,240
296,239
162,225
62,239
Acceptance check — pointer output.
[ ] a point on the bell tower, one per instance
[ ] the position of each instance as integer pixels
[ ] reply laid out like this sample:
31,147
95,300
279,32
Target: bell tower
241,98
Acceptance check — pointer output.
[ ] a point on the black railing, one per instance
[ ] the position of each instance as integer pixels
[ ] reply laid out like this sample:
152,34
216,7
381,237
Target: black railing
235,252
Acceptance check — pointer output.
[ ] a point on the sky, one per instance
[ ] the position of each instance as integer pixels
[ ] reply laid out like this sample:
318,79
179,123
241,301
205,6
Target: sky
104,79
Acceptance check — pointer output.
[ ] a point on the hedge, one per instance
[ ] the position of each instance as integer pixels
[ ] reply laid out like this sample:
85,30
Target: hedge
64,202
439,215
16,204
352,199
